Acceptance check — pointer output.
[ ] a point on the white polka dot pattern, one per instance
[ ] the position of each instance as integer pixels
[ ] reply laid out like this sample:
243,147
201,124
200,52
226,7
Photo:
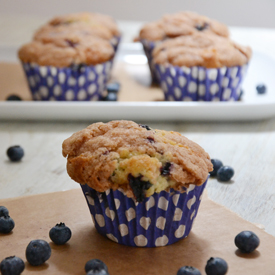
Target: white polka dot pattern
163,203
145,222
159,220
140,240
162,241
200,84
78,82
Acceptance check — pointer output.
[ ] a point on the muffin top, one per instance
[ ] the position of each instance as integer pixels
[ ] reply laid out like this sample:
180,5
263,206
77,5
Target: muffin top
134,158
93,20
66,49
48,33
201,49
181,23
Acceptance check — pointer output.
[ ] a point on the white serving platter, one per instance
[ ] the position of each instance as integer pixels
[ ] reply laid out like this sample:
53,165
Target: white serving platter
252,107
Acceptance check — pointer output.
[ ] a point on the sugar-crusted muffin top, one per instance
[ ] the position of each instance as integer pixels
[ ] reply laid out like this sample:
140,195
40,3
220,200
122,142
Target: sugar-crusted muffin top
93,20
134,158
66,49
49,33
181,23
201,49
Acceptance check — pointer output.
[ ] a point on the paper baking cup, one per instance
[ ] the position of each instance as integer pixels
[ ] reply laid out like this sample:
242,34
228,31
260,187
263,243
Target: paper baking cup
115,42
161,219
201,84
75,83
148,47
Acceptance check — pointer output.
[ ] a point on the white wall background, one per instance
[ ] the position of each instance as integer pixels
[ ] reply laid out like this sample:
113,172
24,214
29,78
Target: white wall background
248,13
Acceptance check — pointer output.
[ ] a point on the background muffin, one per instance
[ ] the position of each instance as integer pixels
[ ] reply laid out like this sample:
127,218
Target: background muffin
201,66
86,23
143,186
67,67
174,25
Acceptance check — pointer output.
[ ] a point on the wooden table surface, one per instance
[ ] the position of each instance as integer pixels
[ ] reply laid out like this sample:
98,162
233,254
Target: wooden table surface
246,146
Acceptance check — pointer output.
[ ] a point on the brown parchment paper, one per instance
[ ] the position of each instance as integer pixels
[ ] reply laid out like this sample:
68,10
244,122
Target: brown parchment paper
134,79
212,236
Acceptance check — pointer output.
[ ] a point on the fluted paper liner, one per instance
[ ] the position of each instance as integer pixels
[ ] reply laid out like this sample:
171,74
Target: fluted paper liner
159,220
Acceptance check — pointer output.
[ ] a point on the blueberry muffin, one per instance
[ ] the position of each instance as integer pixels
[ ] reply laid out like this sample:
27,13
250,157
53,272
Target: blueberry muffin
143,186
94,24
67,66
201,66
174,25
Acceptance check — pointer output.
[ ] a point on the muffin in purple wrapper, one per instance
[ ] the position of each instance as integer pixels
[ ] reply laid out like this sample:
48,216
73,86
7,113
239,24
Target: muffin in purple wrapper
174,25
201,67
67,67
143,186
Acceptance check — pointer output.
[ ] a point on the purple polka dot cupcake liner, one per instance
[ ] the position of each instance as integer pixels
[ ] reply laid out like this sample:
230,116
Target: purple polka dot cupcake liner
161,219
115,42
148,47
201,84
78,82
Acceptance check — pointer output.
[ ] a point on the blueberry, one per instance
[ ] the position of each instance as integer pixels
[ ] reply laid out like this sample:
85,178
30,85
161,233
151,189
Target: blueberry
145,126
38,252
13,98
217,164
165,170
12,266
15,153
3,211
60,233
95,265
95,272
201,27
225,173
241,95
247,241
188,270
216,266
110,97
113,87
6,224
261,89
138,186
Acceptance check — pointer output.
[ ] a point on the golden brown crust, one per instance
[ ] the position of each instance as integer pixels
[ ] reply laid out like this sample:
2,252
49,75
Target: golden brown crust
181,23
93,20
104,155
65,50
201,49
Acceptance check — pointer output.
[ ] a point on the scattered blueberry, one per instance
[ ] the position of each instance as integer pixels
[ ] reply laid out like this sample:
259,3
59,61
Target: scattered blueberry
15,153
60,233
3,211
113,87
95,265
71,43
38,252
225,173
110,97
165,170
216,266
6,224
261,89
95,272
188,270
12,266
247,241
217,164
241,95
13,98
138,186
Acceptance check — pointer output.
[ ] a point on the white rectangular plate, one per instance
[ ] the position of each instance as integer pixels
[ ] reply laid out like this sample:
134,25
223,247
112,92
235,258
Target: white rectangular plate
252,106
